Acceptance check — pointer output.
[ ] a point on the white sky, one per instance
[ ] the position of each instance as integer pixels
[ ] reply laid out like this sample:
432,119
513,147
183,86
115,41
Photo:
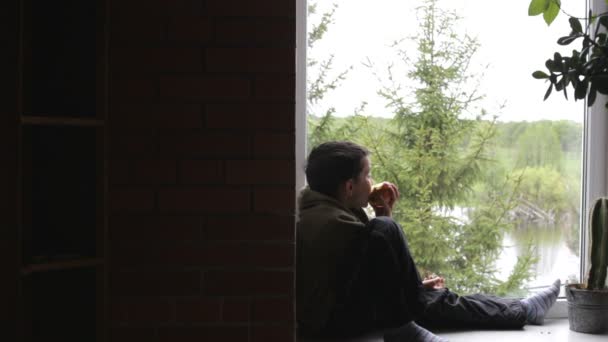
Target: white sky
512,43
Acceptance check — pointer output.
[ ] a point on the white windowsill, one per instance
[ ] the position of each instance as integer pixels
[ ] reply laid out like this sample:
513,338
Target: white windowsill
554,330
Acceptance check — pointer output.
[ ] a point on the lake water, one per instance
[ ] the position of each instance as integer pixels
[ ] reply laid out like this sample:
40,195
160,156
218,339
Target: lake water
554,249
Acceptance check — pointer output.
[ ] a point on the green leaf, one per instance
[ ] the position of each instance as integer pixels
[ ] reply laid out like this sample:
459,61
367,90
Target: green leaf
557,61
575,24
538,6
539,75
580,90
551,12
604,21
559,85
548,92
601,83
592,95
566,40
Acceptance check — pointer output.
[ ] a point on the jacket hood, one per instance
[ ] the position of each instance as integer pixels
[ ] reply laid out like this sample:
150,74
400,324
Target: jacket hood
310,198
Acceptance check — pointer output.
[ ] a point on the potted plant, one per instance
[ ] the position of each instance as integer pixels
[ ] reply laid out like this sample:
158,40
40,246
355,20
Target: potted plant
586,72
588,303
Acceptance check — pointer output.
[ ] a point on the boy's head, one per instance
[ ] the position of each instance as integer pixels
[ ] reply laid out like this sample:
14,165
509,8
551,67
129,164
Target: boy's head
338,169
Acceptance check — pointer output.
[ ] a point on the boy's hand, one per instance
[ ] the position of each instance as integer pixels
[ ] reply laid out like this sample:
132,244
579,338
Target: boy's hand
383,197
434,283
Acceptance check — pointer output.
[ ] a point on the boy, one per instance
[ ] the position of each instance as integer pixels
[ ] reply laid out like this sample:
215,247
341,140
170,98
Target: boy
355,275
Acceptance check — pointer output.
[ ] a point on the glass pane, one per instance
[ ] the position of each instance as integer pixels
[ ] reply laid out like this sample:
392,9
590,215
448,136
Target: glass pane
442,94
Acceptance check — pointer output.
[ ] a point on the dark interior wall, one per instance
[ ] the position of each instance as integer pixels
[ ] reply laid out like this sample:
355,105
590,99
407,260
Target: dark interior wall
201,170
9,259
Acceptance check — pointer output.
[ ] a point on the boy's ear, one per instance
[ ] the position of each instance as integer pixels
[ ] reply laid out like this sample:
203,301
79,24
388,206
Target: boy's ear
349,186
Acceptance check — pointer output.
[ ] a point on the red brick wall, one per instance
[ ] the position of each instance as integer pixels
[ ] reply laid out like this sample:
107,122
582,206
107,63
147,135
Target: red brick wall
201,170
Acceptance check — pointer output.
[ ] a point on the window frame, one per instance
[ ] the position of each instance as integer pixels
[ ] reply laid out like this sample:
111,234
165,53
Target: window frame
300,107
595,140
595,178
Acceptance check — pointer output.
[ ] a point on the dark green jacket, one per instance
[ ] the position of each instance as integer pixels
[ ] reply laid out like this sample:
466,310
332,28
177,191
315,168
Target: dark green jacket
328,239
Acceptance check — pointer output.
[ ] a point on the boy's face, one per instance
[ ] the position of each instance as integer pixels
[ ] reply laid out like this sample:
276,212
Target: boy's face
360,187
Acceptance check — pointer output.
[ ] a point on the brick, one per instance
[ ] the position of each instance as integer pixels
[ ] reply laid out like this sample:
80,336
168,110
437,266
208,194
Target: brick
251,116
250,60
154,171
125,31
236,310
277,309
199,310
260,172
155,283
156,116
183,6
203,88
130,334
135,256
251,228
245,283
133,145
179,116
132,116
118,312
224,145
265,8
190,28
248,255
173,59
135,88
247,32
147,311
209,255
136,7
274,200
198,334
201,172
203,200
274,145
131,200
119,171
275,88
130,229
272,333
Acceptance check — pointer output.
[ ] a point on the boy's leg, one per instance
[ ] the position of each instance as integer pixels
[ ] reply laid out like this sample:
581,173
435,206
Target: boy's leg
383,291
444,308
396,281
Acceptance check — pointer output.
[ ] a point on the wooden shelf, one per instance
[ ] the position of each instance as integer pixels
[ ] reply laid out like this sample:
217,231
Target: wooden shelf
60,202
60,121
61,265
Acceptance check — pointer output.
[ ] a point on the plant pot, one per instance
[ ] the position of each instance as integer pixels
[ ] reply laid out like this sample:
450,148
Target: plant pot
587,309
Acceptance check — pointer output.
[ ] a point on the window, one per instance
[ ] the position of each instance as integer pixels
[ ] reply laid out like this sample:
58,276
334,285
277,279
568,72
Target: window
542,190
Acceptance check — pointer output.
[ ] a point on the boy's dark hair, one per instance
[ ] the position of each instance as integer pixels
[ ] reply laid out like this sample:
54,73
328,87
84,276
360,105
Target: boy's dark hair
331,163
